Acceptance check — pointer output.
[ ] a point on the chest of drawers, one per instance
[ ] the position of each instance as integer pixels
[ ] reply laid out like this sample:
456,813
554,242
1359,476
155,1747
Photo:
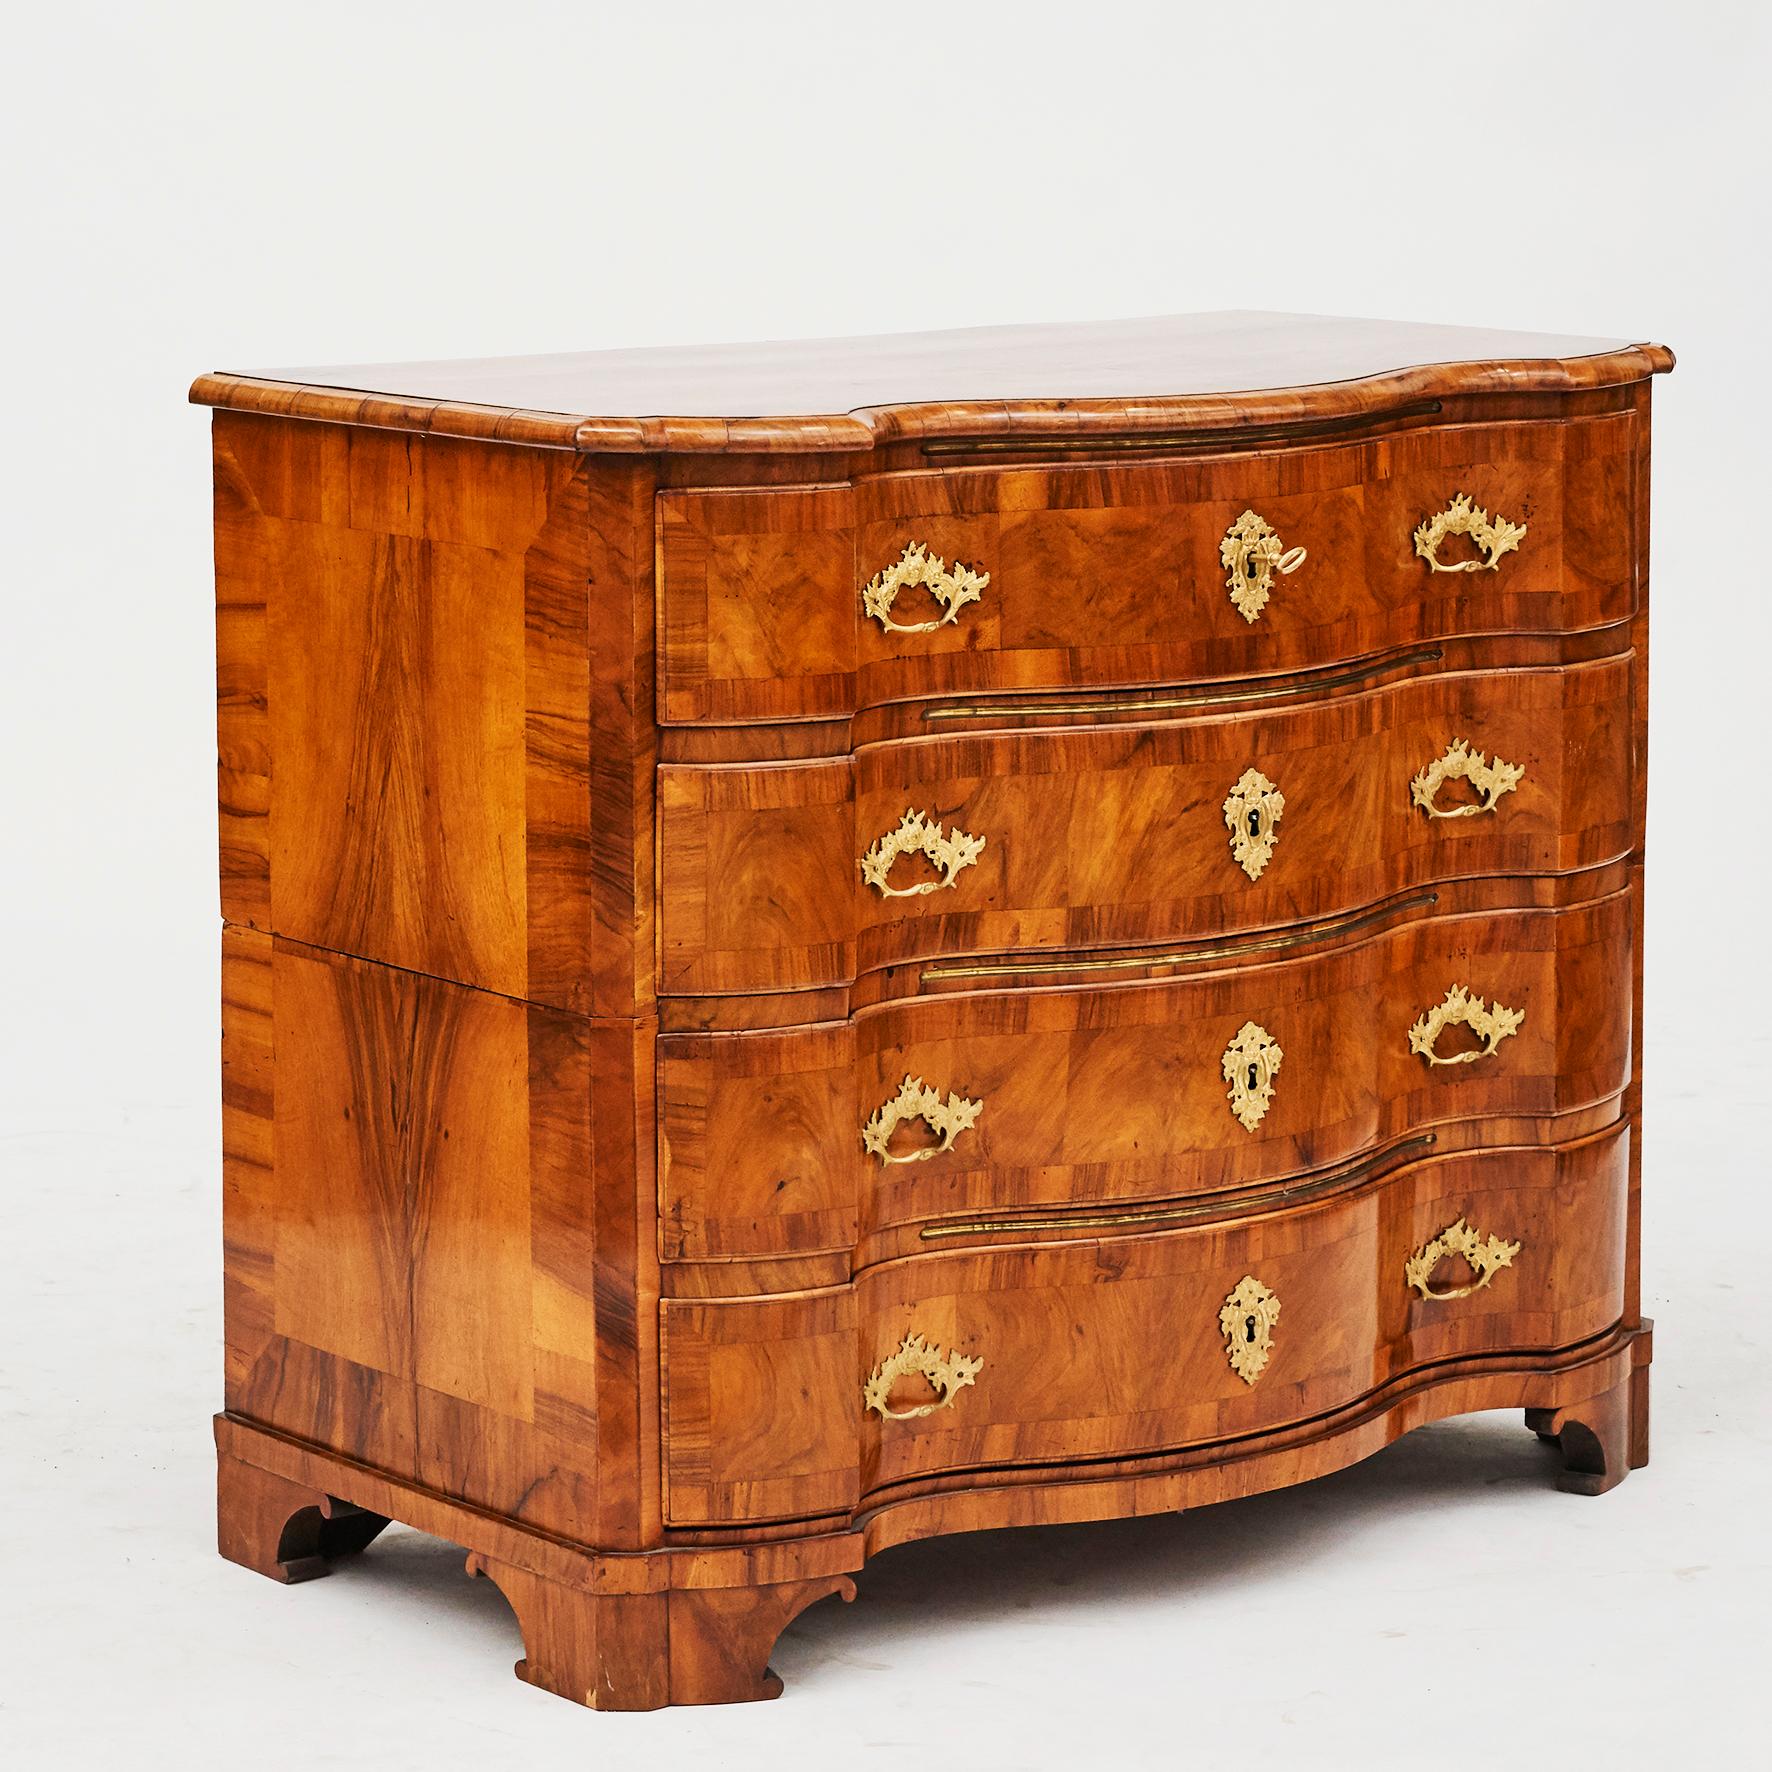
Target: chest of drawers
831,943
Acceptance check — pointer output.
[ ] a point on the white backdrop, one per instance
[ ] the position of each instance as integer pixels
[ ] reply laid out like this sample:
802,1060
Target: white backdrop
192,186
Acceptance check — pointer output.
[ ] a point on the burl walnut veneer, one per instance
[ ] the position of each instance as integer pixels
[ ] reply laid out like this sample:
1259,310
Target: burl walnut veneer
828,943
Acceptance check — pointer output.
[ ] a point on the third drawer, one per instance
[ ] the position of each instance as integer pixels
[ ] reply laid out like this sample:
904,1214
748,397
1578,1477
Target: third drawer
881,1132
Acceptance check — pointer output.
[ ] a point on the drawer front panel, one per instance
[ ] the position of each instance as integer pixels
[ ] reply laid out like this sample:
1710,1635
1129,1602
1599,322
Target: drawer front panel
1138,1345
1092,836
762,1408
1119,1348
1118,574
1120,1092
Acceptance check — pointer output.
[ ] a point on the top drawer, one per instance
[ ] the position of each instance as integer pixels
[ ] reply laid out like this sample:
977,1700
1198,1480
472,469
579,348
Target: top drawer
1120,575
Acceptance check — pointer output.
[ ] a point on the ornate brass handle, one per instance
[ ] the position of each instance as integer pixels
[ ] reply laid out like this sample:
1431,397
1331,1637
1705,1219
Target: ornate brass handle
1251,553
1460,763
1487,1257
1247,1324
1251,1062
915,1100
917,566
1462,517
1251,812
949,1373
1491,1025
917,835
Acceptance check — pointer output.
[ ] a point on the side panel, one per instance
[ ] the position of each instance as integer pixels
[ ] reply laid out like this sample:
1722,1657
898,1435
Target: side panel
434,1254
412,705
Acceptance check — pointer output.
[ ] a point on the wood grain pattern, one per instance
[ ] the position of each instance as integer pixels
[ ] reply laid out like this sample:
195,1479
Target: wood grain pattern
277,1528
1602,1438
408,681
1066,1332
1113,1092
1577,1384
762,1408
1349,1323
1640,710
1227,370
415,1272
621,743
1091,1490
1104,835
549,734
755,594
1111,574
643,1651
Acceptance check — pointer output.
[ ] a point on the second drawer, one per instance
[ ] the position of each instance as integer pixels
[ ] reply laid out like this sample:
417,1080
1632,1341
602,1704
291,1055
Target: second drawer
793,875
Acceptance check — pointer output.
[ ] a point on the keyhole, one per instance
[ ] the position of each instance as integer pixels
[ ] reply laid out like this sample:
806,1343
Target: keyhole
1248,1328
1250,569
1255,824
1252,1076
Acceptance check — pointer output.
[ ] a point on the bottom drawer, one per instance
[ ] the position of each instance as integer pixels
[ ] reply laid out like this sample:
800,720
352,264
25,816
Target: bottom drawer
801,1405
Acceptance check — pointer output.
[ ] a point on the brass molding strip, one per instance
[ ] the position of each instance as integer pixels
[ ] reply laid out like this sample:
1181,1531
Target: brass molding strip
1265,944
1160,1215
1220,438
1205,697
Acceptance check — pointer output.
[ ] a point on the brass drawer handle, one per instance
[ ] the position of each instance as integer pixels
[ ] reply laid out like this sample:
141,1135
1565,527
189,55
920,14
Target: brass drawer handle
1462,517
917,835
1251,553
1491,1025
1247,1324
915,1100
917,566
949,1373
1487,1256
1460,763
1251,812
1251,1062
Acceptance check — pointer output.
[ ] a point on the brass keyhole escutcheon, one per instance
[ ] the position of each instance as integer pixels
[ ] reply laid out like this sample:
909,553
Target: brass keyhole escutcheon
1252,816
1251,1062
1247,1324
1252,553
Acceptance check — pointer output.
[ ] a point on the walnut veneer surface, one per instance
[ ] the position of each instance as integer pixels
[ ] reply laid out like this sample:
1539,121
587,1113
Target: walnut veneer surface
828,943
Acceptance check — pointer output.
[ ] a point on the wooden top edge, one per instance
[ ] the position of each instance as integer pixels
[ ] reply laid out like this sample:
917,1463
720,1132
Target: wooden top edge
1254,369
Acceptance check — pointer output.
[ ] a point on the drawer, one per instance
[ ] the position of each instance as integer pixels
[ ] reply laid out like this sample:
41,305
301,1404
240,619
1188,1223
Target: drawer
1037,577
1132,1346
794,875
1036,1099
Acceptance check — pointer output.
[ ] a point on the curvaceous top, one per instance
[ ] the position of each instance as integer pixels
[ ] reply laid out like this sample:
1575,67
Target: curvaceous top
1101,378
